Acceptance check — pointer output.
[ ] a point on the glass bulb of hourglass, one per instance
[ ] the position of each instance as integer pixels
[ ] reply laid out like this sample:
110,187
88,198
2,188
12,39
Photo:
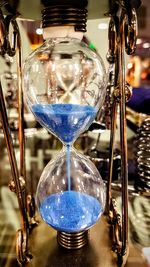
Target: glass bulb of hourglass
64,83
70,194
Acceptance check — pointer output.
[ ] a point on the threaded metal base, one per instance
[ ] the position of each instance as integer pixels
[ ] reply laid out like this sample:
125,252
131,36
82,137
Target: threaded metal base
65,13
64,16
72,240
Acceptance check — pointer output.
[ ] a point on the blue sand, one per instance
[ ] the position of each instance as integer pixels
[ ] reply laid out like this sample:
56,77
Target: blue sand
66,121
70,211
68,167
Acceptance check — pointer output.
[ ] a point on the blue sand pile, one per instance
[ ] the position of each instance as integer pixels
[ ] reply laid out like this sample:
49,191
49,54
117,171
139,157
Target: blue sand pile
66,121
70,211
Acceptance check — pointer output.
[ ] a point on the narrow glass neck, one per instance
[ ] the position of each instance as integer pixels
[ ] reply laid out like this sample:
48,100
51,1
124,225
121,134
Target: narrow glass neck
68,146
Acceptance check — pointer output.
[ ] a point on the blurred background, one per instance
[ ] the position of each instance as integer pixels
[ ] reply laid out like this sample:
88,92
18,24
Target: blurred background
42,146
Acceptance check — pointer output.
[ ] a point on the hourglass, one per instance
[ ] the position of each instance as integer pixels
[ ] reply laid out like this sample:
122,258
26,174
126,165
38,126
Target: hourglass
64,85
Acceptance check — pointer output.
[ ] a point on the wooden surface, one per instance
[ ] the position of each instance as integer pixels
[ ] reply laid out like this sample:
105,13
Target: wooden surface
47,253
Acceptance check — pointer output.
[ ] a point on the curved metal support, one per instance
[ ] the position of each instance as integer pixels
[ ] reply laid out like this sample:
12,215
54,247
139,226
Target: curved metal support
18,183
30,205
124,30
14,170
22,170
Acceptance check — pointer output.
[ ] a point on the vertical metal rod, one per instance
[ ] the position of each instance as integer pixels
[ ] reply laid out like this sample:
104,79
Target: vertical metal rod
28,198
12,159
123,137
22,169
20,106
111,147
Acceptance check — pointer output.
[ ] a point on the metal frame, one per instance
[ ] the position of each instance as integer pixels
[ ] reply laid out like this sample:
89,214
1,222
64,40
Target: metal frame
18,183
122,36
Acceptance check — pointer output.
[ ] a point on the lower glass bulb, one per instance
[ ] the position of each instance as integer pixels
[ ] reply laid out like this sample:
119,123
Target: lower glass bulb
70,194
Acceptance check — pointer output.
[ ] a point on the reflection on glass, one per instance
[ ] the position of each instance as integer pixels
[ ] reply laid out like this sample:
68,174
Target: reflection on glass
64,85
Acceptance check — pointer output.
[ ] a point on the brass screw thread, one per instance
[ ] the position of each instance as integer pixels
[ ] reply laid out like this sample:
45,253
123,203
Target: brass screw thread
73,240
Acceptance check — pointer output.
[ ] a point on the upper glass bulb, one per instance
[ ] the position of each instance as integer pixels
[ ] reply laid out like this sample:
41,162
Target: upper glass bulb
64,85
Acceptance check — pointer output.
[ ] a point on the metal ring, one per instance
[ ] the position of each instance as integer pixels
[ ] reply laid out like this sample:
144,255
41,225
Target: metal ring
23,256
112,37
7,47
11,47
3,35
130,29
